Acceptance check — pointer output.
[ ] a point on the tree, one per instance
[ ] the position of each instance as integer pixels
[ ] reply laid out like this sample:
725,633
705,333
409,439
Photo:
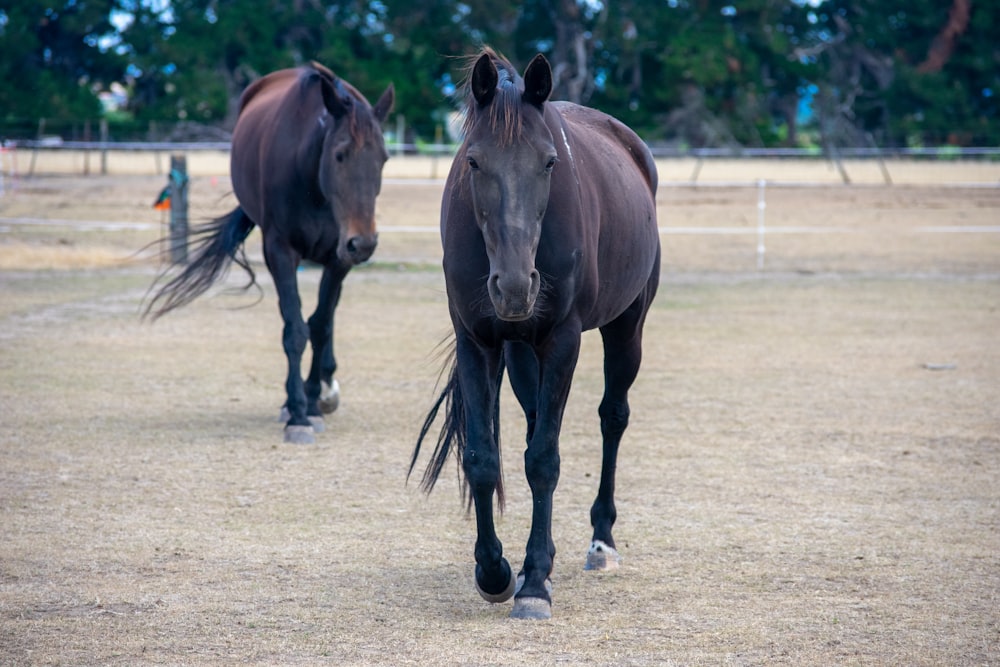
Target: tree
704,74
192,62
911,71
56,57
691,72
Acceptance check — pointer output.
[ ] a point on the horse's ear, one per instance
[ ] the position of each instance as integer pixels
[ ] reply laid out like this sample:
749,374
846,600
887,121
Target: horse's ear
384,104
484,80
537,81
332,100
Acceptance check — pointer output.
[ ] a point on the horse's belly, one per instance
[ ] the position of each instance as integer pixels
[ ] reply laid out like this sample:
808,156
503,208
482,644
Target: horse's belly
626,263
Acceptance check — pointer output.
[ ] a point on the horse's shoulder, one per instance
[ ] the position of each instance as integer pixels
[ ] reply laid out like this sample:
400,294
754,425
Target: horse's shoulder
615,132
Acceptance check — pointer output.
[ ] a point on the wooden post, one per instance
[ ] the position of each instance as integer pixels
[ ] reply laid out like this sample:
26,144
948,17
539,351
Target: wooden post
178,209
34,151
697,170
86,152
438,139
761,205
104,146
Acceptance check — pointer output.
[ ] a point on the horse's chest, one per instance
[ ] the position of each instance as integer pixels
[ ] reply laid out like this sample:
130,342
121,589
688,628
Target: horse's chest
315,237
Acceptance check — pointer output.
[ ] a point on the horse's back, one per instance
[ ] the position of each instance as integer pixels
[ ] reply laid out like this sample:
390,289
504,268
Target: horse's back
274,116
278,99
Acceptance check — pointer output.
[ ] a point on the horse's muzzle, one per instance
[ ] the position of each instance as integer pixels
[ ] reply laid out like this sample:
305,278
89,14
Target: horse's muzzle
359,249
514,297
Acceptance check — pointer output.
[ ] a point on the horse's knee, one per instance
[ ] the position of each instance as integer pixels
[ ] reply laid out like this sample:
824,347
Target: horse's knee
541,467
294,338
614,418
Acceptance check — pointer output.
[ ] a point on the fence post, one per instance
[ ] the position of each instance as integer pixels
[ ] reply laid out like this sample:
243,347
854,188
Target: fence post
438,139
696,171
178,209
86,151
761,206
34,151
104,147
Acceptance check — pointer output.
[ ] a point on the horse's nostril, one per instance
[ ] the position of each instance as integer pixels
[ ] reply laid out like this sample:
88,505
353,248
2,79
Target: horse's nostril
360,248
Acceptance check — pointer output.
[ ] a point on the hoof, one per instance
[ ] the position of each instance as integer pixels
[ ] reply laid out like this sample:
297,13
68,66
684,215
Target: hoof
299,435
316,420
329,397
520,584
502,596
533,609
602,557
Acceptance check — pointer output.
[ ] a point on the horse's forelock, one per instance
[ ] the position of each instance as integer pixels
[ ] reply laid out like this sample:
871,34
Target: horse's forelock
504,111
363,126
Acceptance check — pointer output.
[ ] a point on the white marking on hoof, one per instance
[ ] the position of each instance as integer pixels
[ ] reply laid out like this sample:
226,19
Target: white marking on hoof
329,397
299,435
284,415
497,598
317,423
533,609
602,557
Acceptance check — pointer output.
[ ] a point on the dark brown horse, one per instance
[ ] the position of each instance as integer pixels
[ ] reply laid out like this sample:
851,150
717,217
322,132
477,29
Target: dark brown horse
548,224
306,165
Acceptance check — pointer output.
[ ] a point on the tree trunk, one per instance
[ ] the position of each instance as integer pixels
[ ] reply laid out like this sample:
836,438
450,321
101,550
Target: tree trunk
944,44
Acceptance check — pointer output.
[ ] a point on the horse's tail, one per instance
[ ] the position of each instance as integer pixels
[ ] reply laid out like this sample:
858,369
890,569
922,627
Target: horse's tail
215,246
453,434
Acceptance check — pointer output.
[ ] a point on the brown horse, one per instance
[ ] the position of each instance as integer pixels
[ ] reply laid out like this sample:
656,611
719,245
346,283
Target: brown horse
306,165
548,224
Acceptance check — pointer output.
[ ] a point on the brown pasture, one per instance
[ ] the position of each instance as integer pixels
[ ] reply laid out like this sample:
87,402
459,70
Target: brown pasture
811,477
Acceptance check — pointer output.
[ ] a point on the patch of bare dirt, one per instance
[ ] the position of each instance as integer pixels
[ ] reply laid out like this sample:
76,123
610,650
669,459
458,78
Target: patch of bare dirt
809,476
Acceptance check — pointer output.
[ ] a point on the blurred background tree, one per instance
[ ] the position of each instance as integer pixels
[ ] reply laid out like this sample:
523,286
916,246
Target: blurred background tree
688,73
50,62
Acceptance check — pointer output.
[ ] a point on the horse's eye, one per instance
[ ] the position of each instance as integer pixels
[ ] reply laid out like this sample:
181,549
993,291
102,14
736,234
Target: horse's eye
339,156
550,164
473,164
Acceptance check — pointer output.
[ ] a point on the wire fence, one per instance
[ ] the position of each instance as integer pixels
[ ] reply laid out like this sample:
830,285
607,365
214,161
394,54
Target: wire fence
990,153
32,157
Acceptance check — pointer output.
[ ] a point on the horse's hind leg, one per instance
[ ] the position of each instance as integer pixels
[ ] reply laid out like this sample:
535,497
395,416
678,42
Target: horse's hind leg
322,391
622,356
282,262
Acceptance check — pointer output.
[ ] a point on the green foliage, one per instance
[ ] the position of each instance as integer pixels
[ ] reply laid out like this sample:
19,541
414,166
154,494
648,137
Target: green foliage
53,63
895,89
689,72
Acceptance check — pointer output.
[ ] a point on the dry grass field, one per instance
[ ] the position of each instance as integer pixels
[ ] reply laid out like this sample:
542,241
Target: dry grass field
811,477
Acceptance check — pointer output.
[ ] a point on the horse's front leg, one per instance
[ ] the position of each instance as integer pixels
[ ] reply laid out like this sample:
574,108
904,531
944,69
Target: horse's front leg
478,382
322,391
541,465
282,262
